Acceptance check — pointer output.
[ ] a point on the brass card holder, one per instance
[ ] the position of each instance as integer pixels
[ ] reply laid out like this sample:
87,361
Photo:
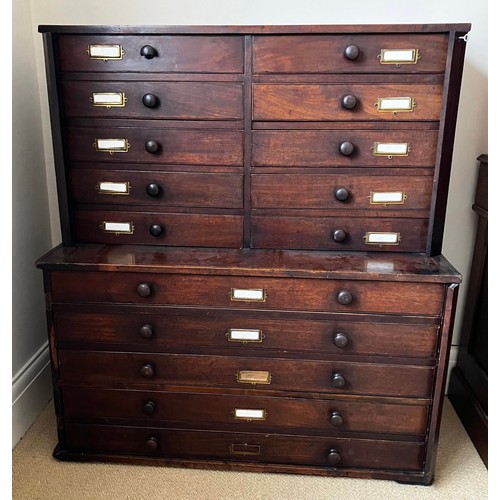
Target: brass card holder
249,414
395,104
105,53
398,56
108,100
245,449
391,149
111,146
117,228
387,198
244,335
113,188
382,239
253,377
248,295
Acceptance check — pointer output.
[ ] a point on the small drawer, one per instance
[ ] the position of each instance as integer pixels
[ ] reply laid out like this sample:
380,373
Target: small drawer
350,102
344,148
237,447
340,233
156,189
244,412
275,293
340,192
153,100
381,53
147,370
151,54
156,145
157,228
157,331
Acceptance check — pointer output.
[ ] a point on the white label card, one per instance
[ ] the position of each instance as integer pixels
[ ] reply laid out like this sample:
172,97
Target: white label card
390,148
108,99
241,335
112,144
398,55
395,104
114,187
241,294
249,414
388,197
105,51
383,238
117,227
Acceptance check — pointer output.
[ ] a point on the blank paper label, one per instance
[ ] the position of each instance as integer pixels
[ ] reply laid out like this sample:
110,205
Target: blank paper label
106,51
239,294
117,227
249,414
383,238
389,197
245,335
395,104
390,148
111,144
108,99
113,187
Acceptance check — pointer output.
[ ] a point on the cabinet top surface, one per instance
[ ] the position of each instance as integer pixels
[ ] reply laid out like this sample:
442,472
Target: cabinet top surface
252,262
252,29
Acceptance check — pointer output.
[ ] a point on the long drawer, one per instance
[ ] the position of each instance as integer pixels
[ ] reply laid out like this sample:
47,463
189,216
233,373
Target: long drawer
151,370
244,412
270,448
153,100
238,292
344,148
150,53
348,102
173,328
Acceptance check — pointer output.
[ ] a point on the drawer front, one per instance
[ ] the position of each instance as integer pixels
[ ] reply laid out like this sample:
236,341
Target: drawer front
219,291
157,189
151,54
322,148
192,147
270,448
165,329
327,53
153,228
340,233
346,102
244,412
374,193
152,100
149,370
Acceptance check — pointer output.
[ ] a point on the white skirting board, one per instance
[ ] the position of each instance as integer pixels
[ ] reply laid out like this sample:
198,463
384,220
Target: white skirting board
31,391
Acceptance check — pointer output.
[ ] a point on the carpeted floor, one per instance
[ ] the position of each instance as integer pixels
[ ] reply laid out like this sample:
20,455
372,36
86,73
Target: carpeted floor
460,475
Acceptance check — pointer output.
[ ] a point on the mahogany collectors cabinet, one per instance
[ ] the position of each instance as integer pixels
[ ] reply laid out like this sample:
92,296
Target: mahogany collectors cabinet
250,275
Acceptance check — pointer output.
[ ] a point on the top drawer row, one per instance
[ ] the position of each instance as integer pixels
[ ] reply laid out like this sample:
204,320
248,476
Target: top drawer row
393,53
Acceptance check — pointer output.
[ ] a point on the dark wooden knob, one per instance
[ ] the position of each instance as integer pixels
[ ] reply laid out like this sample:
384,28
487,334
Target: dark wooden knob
146,331
147,370
341,194
144,289
336,419
149,408
351,52
346,148
338,380
349,101
152,444
150,100
339,235
155,230
152,147
333,457
153,189
148,52
340,340
344,297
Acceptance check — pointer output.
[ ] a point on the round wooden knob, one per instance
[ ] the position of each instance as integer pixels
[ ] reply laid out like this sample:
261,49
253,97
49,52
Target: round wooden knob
144,289
344,297
338,380
153,189
340,340
333,457
349,101
346,148
149,408
339,235
146,331
351,52
148,52
147,370
152,444
152,147
155,230
336,419
150,100
341,194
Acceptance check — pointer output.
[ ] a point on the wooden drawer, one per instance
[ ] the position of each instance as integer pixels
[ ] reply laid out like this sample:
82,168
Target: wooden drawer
176,146
136,329
153,100
340,233
395,102
375,193
270,448
155,228
279,293
173,54
157,189
151,371
244,412
326,53
322,148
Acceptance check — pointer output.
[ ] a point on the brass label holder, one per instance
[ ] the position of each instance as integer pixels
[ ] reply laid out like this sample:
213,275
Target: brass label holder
395,104
108,100
105,53
111,145
248,295
382,239
117,228
243,335
245,449
248,414
398,56
253,377
387,198
113,188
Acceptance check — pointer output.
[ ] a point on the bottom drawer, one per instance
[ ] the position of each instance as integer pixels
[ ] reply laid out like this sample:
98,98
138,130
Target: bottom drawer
269,448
